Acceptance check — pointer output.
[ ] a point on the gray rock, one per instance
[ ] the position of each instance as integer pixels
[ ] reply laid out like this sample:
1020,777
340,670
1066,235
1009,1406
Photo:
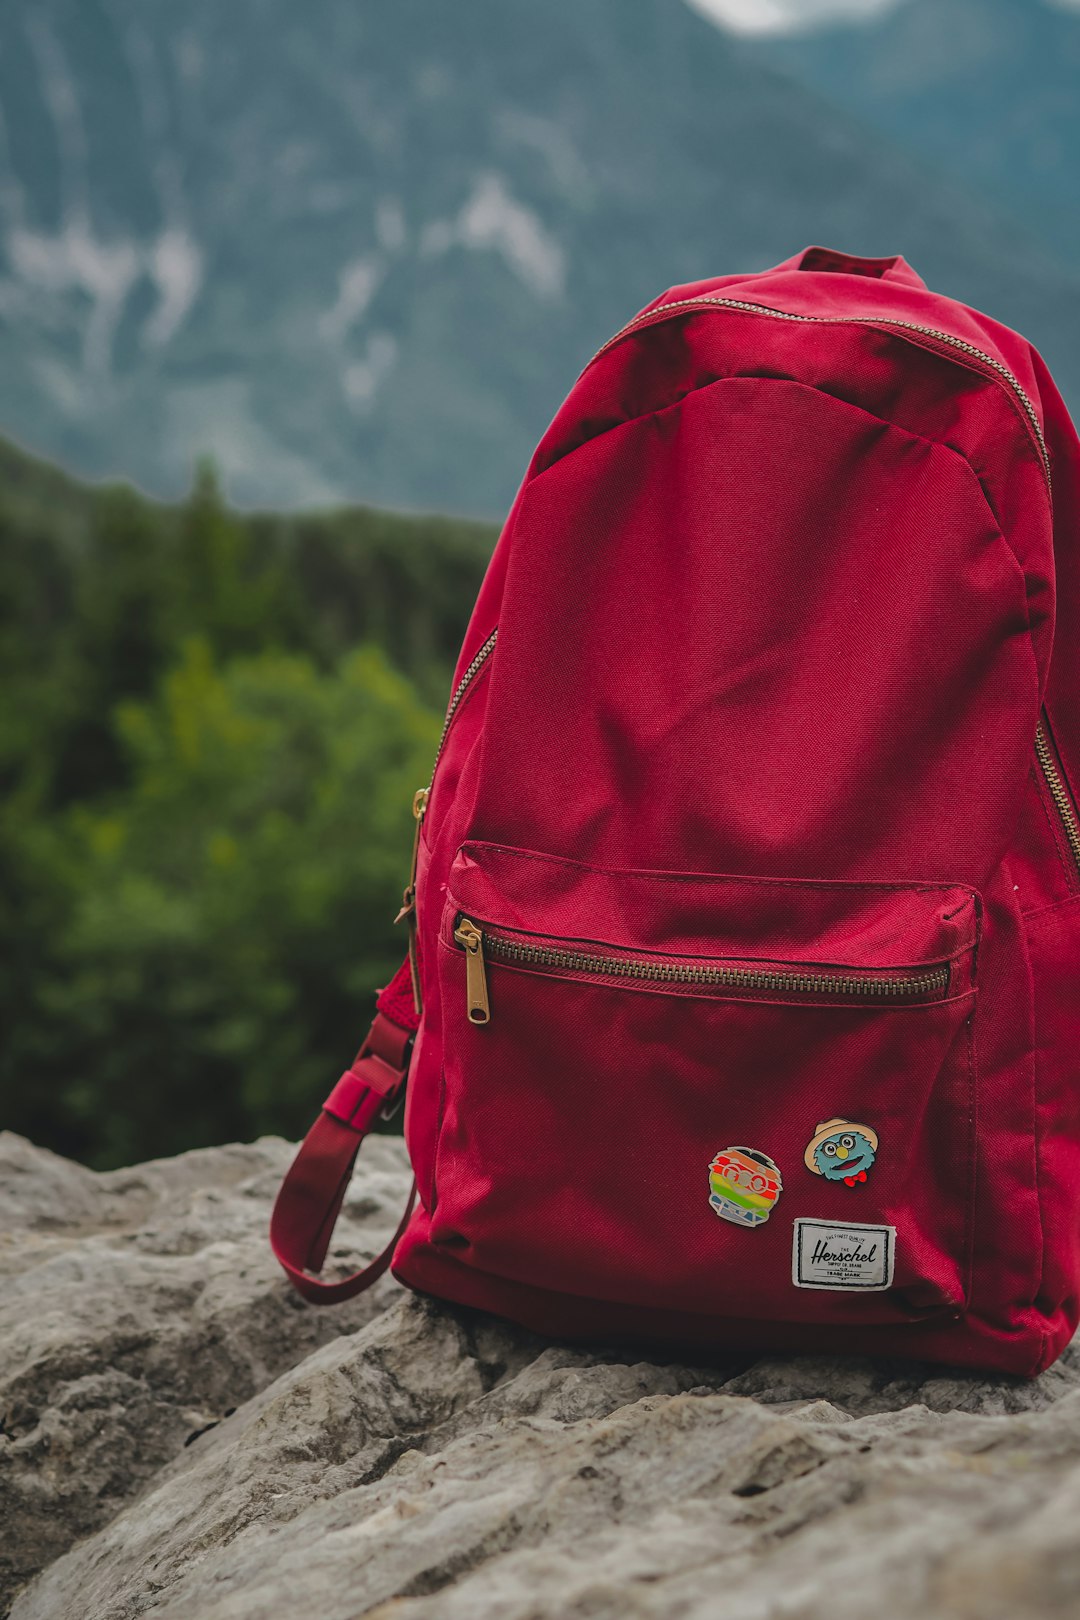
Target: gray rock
404,1458
137,1309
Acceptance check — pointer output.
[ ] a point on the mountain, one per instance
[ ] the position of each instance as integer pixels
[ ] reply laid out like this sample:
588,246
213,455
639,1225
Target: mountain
984,90
362,250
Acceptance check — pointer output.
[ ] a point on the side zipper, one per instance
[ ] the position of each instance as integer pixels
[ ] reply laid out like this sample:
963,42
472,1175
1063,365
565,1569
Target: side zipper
1058,790
407,913
864,984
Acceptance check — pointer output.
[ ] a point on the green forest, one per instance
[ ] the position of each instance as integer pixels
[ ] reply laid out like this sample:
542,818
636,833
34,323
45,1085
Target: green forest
212,726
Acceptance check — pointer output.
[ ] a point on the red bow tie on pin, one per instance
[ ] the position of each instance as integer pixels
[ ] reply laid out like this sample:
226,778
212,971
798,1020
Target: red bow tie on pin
849,1181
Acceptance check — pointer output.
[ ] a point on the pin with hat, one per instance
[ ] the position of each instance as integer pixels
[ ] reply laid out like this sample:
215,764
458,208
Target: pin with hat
841,1150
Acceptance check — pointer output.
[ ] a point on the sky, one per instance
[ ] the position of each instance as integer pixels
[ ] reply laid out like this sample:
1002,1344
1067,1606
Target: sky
779,16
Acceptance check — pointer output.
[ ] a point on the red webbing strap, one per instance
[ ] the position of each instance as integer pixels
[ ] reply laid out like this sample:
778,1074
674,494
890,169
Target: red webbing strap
310,1197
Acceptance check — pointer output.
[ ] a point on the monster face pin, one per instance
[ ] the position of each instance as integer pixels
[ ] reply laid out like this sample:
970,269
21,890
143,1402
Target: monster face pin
743,1186
840,1150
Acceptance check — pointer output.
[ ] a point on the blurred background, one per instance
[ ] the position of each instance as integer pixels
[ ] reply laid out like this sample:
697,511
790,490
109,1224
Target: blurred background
287,295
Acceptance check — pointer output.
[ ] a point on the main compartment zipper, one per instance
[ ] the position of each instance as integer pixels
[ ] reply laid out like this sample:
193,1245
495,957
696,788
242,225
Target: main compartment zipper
650,317
869,984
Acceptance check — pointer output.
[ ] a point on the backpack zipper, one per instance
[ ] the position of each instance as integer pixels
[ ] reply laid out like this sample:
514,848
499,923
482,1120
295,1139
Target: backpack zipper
866,985
649,317
407,913
1055,782
457,697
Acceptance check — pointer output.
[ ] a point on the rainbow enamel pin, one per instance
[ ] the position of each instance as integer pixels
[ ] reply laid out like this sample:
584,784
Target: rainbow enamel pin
744,1185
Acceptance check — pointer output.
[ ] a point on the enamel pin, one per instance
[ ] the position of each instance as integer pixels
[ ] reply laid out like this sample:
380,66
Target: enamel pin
743,1186
840,1150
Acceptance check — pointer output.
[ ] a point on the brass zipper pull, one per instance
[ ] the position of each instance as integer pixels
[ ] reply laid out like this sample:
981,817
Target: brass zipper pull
407,914
419,807
478,1007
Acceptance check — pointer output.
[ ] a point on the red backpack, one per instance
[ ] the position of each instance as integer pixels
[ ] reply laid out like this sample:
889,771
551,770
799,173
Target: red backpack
742,1007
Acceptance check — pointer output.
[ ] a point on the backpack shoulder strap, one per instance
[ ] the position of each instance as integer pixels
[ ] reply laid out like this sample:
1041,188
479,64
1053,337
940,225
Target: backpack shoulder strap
310,1197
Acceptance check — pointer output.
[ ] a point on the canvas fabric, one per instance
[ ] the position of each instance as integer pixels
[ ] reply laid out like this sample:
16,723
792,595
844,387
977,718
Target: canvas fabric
757,787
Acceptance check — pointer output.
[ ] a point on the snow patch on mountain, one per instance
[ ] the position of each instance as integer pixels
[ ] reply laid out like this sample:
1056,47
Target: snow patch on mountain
356,285
492,219
175,264
361,378
77,258
785,16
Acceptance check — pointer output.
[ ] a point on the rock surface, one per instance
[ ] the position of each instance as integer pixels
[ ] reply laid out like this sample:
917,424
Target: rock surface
181,1437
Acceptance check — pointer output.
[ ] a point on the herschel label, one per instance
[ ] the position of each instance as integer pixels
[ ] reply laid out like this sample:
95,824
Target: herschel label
854,1255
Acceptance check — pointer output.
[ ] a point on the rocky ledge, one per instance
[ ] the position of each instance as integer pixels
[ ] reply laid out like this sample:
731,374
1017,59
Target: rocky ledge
180,1436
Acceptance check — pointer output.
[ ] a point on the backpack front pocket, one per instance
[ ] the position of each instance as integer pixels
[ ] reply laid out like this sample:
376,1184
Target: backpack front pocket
733,1096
